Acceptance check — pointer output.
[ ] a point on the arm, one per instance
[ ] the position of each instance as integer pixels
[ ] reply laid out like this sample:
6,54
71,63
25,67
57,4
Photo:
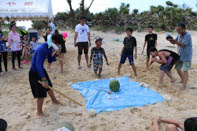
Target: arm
122,51
178,124
162,59
135,52
9,40
144,46
75,39
155,43
105,57
89,39
176,42
39,64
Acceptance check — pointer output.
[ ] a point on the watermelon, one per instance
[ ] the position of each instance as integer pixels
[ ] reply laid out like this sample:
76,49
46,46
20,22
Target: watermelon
114,85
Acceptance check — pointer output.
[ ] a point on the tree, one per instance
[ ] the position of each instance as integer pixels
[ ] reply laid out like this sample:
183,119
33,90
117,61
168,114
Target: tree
124,11
39,25
72,13
83,11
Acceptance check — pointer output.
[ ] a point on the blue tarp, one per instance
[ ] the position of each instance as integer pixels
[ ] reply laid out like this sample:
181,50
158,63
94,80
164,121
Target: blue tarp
131,94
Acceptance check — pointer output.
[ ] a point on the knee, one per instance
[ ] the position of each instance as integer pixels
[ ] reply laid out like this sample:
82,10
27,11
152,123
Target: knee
171,127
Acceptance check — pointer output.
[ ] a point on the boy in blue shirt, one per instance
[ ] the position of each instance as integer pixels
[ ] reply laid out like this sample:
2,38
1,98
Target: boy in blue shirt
130,44
38,73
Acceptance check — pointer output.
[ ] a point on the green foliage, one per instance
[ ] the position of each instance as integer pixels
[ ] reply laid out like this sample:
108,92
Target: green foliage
39,25
117,19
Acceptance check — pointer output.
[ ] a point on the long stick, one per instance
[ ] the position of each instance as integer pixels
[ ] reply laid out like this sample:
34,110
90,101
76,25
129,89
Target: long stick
62,94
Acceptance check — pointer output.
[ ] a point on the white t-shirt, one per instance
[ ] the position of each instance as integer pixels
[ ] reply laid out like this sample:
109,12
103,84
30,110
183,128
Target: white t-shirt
82,31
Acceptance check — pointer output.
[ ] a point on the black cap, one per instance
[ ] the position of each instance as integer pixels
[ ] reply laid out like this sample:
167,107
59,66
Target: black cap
98,39
3,125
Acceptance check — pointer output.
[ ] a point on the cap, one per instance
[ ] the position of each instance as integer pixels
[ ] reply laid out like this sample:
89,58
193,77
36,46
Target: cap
98,39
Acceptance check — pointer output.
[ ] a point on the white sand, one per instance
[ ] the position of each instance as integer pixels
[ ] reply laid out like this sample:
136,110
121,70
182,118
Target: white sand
18,107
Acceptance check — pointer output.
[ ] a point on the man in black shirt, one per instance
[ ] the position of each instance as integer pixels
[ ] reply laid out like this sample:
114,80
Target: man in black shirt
151,41
127,52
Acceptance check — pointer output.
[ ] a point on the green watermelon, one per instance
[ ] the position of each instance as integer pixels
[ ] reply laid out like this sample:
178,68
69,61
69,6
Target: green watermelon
114,85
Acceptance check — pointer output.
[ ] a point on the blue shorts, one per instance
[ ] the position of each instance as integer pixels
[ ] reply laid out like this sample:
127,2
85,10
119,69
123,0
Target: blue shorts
124,57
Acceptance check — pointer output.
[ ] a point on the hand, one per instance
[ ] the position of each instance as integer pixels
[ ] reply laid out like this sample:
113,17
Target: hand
154,59
135,56
172,41
75,44
89,44
142,52
45,84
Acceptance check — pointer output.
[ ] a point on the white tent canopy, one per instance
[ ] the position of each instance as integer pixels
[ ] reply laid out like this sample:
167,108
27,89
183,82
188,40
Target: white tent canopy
25,9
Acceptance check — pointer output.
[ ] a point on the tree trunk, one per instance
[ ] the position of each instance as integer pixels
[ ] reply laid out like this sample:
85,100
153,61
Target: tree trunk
125,22
72,13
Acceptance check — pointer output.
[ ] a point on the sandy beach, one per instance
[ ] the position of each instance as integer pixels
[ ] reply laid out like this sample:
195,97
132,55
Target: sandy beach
18,107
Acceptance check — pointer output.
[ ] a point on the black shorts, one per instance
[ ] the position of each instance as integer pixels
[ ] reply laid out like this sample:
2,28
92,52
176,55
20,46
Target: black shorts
63,48
37,90
82,46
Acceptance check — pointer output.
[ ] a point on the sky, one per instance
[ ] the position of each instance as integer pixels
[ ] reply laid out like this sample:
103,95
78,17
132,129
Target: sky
102,5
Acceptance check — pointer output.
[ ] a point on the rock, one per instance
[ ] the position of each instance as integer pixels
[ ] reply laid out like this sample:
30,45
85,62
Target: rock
92,113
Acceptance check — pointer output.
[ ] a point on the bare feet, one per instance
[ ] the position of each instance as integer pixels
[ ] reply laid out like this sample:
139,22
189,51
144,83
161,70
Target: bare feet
89,66
79,67
183,88
173,81
118,73
99,76
41,114
14,69
56,102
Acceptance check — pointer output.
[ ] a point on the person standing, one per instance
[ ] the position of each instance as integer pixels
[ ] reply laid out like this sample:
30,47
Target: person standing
184,42
14,44
151,41
38,76
130,45
82,40
3,50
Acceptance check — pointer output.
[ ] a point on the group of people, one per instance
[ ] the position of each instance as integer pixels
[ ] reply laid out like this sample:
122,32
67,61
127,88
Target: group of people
54,46
167,58
20,48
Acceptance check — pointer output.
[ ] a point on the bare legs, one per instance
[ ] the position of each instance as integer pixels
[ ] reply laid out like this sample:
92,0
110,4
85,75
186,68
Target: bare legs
40,102
61,61
169,74
147,64
156,127
185,79
79,60
133,67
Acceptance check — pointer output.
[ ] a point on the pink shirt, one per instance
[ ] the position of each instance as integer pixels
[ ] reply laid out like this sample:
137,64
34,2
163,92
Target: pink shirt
14,41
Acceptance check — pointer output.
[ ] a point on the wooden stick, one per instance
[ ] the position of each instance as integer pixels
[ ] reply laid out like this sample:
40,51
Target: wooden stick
62,95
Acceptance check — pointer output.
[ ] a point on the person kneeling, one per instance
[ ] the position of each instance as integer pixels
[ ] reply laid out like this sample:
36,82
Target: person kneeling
167,59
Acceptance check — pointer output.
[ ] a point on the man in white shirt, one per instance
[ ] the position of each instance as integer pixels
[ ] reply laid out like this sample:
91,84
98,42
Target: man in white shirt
82,40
